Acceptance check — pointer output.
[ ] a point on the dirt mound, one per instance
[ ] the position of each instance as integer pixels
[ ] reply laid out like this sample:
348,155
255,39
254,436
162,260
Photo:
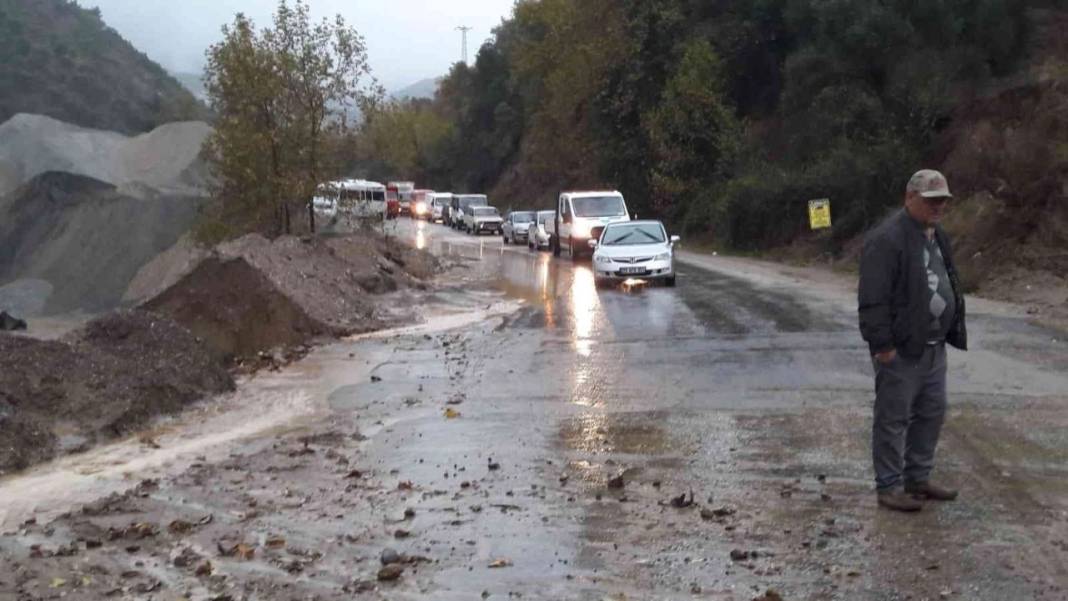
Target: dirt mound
165,270
84,238
103,381
166,160
253,295
236,310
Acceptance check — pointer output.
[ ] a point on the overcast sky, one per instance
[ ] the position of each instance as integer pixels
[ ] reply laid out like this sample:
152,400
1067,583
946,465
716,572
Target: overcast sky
407,40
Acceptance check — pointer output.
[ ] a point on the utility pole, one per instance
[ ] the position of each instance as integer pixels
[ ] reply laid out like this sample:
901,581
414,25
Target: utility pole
463,30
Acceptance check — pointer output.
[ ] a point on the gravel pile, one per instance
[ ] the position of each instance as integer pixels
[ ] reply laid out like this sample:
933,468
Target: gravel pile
103,381
166,160
72,243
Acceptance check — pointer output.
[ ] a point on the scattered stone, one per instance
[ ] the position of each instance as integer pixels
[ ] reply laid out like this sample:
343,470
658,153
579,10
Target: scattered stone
390,556
390,572
616,482
739,555
770,595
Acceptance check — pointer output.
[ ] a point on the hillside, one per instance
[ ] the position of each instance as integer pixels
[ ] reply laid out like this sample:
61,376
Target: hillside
61,60
724,119
424,88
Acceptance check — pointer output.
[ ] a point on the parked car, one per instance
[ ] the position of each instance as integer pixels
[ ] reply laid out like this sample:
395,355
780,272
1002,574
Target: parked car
635,249
538,236
439,202
461,203
581,216
516,226
482,219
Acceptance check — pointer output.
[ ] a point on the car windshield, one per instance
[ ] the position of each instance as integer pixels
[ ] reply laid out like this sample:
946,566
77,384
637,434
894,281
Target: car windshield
486,212
544,218
634,233
599,206
523,217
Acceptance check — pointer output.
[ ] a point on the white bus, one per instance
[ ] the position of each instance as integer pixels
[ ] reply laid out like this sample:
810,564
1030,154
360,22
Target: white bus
350,198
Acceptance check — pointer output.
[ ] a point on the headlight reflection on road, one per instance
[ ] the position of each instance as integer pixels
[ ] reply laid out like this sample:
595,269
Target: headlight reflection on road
420,236
584,307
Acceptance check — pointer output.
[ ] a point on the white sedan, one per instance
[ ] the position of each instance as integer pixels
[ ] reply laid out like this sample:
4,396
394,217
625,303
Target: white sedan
634,250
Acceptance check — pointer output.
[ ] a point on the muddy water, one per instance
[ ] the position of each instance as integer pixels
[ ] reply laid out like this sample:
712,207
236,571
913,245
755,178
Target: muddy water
500,423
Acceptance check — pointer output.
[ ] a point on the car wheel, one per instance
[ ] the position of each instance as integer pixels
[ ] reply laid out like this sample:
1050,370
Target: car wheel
571,253
670,282
554,243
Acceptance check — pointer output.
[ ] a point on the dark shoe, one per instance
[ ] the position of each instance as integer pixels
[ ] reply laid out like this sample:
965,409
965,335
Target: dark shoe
897,500
926,490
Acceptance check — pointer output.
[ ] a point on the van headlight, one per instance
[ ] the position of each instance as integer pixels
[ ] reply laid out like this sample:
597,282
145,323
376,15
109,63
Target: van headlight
581,230
662,257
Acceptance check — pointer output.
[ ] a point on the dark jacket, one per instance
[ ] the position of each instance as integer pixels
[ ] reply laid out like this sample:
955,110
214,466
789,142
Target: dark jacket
893,295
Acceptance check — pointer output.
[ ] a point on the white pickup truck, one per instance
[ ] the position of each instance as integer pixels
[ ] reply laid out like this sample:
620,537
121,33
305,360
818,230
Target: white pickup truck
581,217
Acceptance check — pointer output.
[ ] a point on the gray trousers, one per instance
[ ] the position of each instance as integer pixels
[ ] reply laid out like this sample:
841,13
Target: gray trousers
910,406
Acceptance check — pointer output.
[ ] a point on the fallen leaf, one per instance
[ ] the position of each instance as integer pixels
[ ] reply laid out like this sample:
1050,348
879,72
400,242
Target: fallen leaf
500,563
58,582
276,542
179,527
451,413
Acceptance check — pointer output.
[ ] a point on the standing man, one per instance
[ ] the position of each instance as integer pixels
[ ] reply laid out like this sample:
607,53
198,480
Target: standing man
910,305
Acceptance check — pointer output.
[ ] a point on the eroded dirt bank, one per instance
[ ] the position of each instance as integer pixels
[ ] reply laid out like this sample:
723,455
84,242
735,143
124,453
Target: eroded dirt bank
250,304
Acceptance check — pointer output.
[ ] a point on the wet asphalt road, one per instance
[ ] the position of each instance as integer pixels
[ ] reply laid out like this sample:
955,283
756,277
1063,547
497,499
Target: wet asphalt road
745,386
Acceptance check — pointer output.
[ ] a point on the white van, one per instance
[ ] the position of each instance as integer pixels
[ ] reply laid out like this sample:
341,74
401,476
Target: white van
582,216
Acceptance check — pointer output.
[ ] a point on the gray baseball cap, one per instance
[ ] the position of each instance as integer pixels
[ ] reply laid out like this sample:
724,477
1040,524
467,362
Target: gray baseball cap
929,184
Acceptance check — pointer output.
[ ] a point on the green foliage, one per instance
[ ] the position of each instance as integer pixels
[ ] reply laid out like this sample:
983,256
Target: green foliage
61,60
693,134
722,116
282,95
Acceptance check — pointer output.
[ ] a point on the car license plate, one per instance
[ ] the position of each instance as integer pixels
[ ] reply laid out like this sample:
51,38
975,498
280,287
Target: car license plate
631,270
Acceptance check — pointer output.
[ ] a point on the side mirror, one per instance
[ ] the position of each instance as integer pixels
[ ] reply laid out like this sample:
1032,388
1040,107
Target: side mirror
675,239
592,243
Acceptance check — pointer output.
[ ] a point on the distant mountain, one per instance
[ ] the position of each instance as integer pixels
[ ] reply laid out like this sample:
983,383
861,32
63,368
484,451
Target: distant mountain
61,60
193,82
425,88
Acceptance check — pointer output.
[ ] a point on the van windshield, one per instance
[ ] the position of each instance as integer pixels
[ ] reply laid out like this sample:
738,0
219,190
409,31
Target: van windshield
485,212
599,206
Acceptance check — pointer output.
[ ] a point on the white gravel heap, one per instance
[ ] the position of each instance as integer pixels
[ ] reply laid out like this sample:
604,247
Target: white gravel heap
165,160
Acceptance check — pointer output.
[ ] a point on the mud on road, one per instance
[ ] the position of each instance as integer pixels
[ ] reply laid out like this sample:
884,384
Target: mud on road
539,438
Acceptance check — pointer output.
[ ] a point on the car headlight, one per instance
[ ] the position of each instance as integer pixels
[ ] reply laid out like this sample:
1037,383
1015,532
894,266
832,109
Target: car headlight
662,257
602,259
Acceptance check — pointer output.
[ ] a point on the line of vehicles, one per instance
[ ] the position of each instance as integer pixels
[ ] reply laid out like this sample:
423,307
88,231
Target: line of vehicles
595,223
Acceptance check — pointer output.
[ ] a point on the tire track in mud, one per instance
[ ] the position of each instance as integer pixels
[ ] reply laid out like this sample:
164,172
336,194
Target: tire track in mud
730,305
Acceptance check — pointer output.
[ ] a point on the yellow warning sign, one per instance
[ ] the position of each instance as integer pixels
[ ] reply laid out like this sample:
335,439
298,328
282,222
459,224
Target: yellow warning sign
819,213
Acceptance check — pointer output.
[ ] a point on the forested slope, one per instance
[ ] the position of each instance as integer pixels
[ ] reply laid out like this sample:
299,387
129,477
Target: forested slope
61,60
726,117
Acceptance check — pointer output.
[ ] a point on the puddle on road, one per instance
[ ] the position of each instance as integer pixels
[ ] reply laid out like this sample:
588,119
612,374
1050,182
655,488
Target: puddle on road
629,433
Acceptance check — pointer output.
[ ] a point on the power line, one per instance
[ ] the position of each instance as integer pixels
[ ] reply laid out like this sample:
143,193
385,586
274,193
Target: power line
463,30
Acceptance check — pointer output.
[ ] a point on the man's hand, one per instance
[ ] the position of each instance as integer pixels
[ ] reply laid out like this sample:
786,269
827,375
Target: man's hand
886,357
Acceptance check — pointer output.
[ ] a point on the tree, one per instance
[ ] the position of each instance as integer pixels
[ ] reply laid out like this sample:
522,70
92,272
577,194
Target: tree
282,95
